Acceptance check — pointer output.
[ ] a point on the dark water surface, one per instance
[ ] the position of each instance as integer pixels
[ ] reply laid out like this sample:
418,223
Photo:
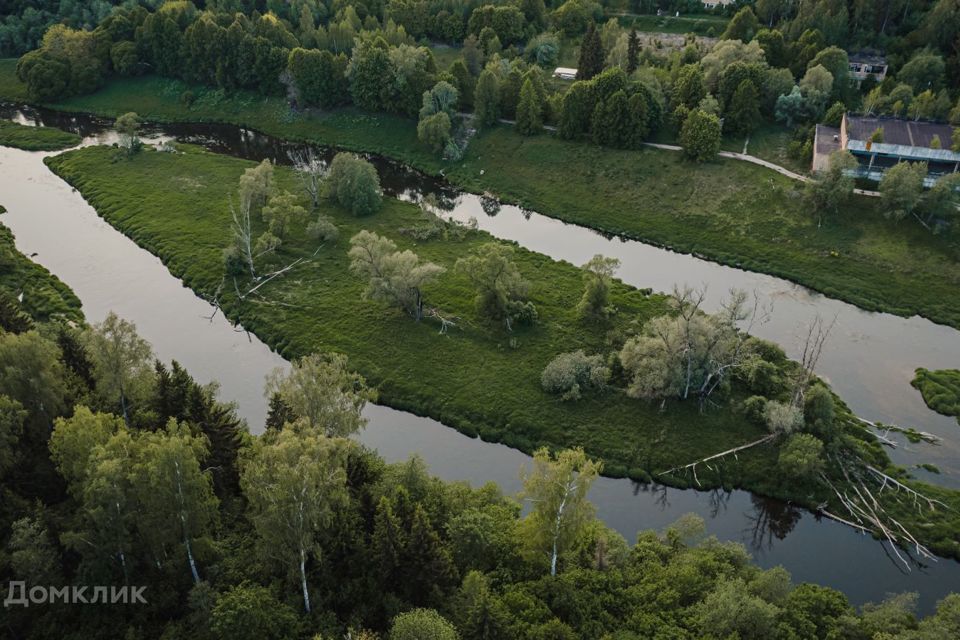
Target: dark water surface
870,357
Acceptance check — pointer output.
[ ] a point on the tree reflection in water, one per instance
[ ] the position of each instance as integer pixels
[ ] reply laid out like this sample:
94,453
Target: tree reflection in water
770,519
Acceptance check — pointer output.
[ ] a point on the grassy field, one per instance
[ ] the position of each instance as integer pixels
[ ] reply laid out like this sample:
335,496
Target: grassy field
45,297
727,211
478,378
940,390
20,136
700,24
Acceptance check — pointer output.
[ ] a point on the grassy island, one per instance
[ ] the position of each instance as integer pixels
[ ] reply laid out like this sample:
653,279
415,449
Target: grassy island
478,377
27,138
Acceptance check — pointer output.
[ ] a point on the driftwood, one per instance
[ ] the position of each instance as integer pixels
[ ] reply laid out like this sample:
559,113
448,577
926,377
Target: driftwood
693,465
445,322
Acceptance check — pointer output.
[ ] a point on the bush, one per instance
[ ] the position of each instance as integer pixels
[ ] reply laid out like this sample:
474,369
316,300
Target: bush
354,184
755,410
434,131
700,136
572,374
782,418
802,456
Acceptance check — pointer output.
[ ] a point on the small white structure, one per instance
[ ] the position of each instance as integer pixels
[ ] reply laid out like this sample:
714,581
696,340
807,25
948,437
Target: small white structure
565,73
713,4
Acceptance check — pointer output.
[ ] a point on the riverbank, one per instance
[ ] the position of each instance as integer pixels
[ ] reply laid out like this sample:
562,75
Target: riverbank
726,211
27,138
29,287
476,379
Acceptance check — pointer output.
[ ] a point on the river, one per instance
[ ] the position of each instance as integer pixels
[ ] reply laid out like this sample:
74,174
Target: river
870,357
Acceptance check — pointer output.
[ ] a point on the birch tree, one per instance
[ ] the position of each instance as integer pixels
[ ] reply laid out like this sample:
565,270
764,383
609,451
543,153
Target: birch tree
95,453
122,362
294,484
395,277
312,170
557,488
177,504
322,392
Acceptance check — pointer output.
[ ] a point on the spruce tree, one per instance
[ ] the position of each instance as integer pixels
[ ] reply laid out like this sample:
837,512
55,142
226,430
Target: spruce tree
487,99
612,121
744,112
529,111
633,51
279,413
591,54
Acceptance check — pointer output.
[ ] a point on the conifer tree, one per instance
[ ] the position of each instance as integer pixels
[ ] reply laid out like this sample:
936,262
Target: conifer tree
529,111
612,121
487,98
591,54
633,51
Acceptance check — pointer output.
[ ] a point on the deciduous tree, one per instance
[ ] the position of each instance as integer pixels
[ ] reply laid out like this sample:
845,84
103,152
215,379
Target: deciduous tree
122,363
321,391
294,483
556,488
395,277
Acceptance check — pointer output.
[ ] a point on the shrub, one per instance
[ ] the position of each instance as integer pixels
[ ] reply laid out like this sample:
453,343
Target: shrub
354,184
802,456
782,418
755,410
572,374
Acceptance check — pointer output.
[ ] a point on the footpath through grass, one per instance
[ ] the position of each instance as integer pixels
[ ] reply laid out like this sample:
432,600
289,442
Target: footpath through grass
727,211
20,136
45,297
478,378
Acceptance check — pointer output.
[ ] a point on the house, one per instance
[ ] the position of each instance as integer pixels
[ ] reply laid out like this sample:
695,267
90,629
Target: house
713,4
880,143
864,65
565,73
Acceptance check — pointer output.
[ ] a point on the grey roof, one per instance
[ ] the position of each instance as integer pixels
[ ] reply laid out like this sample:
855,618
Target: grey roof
824,139
896,131
864,57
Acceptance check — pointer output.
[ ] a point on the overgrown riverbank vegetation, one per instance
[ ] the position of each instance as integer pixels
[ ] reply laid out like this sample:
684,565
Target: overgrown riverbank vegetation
493,317
20,136
28,288
119,470
940,389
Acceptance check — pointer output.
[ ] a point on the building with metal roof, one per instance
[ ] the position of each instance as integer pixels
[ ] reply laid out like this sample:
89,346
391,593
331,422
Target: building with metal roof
880,143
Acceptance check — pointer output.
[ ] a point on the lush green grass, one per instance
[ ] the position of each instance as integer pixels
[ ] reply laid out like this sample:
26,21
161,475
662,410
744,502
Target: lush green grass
478,378
20,136
45,297
10,87
700,24
940,390
770,142
727,211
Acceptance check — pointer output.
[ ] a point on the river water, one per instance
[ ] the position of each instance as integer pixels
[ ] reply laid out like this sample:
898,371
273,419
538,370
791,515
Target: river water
869,360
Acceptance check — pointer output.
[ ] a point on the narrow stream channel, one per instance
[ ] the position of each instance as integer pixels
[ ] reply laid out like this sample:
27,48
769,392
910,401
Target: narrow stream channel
870,362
